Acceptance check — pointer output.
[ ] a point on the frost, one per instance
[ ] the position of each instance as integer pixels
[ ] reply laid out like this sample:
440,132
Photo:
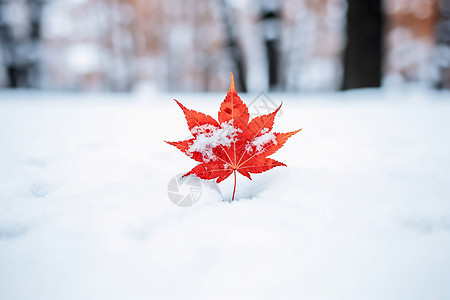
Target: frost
208,137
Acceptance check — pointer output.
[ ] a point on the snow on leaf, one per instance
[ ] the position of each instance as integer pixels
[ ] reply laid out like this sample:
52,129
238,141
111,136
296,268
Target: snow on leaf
263,140
209,137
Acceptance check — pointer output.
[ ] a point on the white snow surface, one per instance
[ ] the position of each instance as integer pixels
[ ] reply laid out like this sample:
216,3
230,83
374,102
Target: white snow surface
361,212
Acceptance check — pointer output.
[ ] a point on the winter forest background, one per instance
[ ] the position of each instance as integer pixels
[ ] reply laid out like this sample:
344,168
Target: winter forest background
191,45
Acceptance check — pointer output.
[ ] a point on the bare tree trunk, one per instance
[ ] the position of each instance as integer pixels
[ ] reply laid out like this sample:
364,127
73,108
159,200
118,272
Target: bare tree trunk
233,46
21,48
443,39
363,57
271,30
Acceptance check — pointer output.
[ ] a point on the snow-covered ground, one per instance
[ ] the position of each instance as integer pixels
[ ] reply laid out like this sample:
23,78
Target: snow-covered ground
361,212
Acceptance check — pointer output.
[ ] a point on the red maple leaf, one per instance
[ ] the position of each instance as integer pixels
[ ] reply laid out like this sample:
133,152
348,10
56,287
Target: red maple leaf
232,143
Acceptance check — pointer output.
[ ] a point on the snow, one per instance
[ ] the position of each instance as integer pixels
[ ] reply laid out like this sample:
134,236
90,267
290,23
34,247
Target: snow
209,136
261,141
361,212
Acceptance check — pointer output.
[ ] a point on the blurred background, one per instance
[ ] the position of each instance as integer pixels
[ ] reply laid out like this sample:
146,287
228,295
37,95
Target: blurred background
192,45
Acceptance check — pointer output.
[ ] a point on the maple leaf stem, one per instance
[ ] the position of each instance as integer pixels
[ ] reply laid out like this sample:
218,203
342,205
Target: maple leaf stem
234,189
